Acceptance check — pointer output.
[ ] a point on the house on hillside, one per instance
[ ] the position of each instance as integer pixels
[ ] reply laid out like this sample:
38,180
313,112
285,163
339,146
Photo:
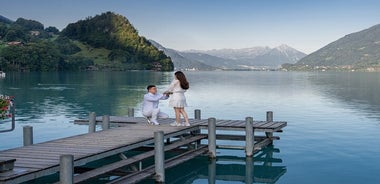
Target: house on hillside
34,33
14,43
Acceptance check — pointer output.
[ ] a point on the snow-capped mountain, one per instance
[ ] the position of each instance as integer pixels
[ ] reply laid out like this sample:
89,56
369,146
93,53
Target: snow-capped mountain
257,57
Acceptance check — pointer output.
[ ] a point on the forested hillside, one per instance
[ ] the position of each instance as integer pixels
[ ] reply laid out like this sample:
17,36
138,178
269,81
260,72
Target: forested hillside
104,42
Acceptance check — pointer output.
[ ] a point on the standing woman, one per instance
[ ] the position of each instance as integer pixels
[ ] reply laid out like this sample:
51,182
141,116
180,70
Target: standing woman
178,100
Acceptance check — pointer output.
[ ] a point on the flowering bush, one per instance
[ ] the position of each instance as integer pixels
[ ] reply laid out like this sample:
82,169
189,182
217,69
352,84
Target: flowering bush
5,106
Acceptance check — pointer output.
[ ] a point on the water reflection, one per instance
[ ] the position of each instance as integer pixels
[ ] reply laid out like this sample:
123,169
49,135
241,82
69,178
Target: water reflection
39,94
358,91
262,168
49,101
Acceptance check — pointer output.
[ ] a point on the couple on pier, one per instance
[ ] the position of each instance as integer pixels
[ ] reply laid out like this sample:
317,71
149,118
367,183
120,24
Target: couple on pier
177,100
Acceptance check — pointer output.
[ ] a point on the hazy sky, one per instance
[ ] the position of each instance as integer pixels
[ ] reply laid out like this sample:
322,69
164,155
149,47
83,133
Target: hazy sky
214,24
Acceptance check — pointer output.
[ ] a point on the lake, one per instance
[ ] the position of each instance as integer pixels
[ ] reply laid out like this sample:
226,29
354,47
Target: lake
333,117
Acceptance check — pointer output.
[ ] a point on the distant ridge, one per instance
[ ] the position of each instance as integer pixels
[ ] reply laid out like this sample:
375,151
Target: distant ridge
356,51
5,20
182,62
247,58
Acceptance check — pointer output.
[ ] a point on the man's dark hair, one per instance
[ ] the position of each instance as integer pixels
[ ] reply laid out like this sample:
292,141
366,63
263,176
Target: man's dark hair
150,86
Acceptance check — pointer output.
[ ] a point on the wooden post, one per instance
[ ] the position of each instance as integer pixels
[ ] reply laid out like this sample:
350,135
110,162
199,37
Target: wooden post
131,112
66,169
140,166
212,171
106,122
212,137
270,116
27,135
249,165
197,114
249,136
92,122
13,109
269,119
159,156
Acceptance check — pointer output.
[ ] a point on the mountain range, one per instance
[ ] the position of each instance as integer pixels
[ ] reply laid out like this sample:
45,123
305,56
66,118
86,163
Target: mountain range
180,61
109,42
355,51
255,58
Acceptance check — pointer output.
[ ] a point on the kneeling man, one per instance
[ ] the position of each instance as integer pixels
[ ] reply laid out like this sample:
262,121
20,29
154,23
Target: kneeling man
150,105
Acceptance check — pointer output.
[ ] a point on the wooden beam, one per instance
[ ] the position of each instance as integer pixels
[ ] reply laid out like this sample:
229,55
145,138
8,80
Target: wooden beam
149,171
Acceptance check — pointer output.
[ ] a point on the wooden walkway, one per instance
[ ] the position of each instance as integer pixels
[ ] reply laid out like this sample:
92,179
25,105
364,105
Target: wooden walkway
42,159
260,126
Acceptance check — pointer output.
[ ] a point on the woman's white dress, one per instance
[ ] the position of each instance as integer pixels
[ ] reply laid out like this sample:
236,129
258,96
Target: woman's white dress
178,98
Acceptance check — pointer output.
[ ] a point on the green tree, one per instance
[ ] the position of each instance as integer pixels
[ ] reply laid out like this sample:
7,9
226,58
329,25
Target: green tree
52,29
66,46
16,33
3,30
29,25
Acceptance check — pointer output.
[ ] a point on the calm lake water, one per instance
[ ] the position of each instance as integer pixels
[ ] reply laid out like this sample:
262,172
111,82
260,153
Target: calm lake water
333,118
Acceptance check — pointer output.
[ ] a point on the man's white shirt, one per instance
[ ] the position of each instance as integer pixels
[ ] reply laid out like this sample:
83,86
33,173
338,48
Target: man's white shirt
151,101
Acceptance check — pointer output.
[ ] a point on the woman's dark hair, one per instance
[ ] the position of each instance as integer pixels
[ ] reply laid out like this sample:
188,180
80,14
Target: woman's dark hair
182,79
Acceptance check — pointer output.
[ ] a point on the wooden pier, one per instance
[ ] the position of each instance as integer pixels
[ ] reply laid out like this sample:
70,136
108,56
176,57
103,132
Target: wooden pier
130,134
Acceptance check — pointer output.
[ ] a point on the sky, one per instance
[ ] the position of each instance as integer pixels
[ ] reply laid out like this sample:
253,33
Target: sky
215,24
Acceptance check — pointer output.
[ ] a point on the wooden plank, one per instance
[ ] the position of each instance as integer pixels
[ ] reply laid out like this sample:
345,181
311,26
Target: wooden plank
230,123
59,147
269,124
264,125
41,153
199,122
56,152
283,124
263,143
23,155
275,125
28,155
259,124
123,163
239,123
222,122
71,145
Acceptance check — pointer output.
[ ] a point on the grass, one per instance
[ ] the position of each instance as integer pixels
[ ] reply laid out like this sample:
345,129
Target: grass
98,55
2,44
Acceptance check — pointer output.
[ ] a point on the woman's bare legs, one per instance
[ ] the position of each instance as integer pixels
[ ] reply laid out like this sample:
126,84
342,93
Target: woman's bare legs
184,114
177,115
